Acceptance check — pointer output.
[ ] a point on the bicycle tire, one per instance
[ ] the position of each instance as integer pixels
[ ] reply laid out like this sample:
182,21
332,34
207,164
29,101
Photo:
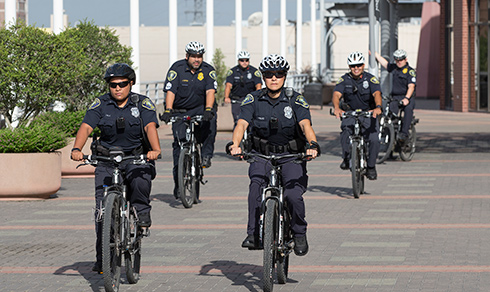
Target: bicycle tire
186,180
132,257
386,141
356,169
408,149
269,244
282,262
111,242
197,179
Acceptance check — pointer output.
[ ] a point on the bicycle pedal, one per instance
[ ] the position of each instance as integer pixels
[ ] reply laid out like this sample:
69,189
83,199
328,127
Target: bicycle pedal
146,232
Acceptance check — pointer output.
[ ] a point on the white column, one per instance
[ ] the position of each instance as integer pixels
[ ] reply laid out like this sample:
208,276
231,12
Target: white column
57,16
172,32
283,23
238,26
265,28
10,12
209,30
313,37
134,24
299,35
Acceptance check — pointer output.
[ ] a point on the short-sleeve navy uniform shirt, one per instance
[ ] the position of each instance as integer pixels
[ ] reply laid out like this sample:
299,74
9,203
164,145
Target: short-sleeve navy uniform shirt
104,113
190,89
243,81
258,109
358,93
402,77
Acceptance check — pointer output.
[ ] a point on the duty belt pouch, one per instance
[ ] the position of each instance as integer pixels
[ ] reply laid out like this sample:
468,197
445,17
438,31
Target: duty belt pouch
97,148
296,146
260,145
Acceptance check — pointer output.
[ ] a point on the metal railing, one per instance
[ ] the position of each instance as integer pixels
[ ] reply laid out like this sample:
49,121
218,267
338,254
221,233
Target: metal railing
154,90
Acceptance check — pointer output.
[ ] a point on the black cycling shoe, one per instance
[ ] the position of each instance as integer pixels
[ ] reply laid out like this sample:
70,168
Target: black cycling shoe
206,162
300,246
402,137
97,267
371,173
345,164
176,193
144,219
251,242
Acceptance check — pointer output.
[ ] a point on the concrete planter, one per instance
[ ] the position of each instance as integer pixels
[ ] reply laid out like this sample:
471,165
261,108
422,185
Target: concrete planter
29,175
68,166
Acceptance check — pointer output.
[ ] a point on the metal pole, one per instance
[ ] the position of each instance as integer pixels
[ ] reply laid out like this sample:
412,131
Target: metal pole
172,35
209,30
283,22
373,68
10,12
134,8
299,35
313,37
323,40
265,28
385,44
238,26
57,16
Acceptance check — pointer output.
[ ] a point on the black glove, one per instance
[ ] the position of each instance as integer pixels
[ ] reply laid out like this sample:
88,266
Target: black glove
227,147
208,114
316,146
167,114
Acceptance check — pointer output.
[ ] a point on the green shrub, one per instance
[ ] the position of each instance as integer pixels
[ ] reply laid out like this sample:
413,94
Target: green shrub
66,121
40,137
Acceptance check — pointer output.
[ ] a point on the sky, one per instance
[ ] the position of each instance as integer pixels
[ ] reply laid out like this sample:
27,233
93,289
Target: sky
155,12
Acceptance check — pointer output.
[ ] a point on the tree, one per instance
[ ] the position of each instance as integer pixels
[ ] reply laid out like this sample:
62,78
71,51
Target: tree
221,69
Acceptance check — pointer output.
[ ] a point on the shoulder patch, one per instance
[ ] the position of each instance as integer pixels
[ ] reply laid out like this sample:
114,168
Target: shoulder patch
148,104
248,99
374,80
340,80
229,73
300,100
171,75
94,104
258,74
212,74
412,73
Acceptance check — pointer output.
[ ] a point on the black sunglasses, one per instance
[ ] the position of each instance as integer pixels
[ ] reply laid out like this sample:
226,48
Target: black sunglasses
278,74
356,66
120,84
244,60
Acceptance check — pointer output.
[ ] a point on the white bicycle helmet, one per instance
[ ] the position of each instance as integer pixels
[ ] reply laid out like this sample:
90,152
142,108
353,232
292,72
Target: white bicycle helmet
195,48
355,58
274,62
243,55
399,54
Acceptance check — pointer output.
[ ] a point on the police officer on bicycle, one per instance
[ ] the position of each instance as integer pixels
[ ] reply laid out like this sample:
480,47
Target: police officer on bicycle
191,86
280,123
240,81
124,118
360,90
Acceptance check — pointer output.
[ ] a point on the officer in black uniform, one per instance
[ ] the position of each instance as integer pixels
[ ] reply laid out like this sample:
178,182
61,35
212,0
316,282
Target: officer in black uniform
281,123
403,89
121,116
191,86
360,90
240,81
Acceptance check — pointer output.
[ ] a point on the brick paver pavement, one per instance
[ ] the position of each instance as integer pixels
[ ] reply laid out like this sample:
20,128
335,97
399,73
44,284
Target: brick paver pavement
423,225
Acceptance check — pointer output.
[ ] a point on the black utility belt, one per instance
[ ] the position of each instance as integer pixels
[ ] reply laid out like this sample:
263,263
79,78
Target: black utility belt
263,146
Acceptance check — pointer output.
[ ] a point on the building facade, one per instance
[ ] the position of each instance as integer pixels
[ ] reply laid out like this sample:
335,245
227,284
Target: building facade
21,8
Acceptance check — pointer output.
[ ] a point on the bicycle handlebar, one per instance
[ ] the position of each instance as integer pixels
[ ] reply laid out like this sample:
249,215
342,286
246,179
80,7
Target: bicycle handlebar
354,113
196,118
274,157
117,159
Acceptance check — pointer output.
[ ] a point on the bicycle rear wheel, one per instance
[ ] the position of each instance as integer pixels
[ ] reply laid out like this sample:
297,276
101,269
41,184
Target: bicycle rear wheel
282,262
270,230
111,242
187,183
133,255
407,150
386,140
356,169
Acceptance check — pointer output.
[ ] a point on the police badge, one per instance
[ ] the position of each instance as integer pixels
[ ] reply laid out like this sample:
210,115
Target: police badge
135,112
288,112
249,75
365,84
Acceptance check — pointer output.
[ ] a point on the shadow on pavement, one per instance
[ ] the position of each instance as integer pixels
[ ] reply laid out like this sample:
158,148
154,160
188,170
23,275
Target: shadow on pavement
240,274
169,199
84,269
334,191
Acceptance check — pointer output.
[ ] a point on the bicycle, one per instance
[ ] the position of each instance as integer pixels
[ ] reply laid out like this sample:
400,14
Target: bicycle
358,153
190,170
121,233
390,127
275,233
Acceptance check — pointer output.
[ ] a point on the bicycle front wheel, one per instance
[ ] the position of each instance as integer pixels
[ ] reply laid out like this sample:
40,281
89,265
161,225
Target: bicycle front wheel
282,262
187,178
356,169
270,224
407,150
197,177
133,254
386,139
111,242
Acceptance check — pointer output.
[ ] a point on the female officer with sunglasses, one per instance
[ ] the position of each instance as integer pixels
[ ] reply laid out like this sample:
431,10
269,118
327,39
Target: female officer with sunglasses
281,123
121,115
